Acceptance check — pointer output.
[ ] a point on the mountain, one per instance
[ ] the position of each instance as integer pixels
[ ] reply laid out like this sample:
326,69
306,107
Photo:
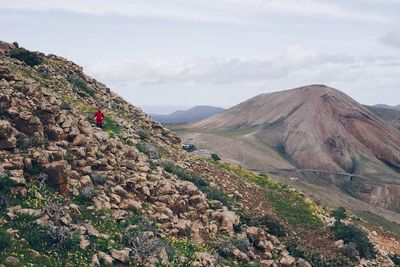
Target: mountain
184,116
127,194
309,128
387,106
389,115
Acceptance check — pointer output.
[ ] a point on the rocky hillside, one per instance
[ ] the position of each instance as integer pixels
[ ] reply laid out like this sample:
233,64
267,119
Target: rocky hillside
73,194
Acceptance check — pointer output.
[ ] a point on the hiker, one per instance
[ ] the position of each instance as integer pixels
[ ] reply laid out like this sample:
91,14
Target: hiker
99,116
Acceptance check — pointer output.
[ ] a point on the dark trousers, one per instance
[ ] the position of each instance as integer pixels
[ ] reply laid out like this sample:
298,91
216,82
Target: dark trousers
99,125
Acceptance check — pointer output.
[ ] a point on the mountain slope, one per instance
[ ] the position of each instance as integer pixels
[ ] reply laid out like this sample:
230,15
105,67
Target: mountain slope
389,115
315,127
184,116
72,194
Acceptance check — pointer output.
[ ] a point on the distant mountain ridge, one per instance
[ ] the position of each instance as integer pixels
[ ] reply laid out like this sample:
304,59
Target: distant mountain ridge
387,106
390,115
184,116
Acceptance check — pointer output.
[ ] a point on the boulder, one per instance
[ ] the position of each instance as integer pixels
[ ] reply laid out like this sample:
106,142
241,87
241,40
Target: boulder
204,259
227,219
7,135
86,181
57,171
288,261
11,261
107,259
240,256
6,47
303,263
121,255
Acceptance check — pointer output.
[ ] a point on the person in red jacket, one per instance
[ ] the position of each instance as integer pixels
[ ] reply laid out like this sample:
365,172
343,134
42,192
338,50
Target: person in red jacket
99,116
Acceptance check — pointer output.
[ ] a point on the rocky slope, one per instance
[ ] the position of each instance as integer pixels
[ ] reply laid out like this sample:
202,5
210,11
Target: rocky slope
76,195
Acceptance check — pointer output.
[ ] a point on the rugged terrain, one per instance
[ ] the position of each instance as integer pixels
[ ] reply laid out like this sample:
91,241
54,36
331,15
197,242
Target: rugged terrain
127,195
273,132
184,116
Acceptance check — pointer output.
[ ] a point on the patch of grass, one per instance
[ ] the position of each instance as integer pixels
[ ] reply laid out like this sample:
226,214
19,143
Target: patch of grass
112,126
294,209
29,58
289,206
183,247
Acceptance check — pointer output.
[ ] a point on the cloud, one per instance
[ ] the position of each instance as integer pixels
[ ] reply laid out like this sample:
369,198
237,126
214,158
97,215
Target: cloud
223,11
208,79
228,70
391,38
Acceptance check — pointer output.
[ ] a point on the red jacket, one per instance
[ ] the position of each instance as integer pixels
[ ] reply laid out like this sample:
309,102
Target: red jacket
99,117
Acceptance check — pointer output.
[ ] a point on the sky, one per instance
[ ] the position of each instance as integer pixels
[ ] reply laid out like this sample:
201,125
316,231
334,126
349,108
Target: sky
164,55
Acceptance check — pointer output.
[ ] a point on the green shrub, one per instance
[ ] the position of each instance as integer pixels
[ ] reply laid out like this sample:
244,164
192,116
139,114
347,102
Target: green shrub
61,237
80,84
143,244
352,234
148,149
88,193
395,258
339,213
5,183
215,157
216,194
69,157
274,226
143,134
28,57
5,240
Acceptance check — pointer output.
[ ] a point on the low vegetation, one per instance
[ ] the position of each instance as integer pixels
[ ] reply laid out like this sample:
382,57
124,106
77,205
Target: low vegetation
297,248
112,126
203,185
288,205
80,85
215,157
350,233
395,258
29,58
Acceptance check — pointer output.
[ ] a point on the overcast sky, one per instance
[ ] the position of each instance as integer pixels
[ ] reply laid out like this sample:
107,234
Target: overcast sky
160,54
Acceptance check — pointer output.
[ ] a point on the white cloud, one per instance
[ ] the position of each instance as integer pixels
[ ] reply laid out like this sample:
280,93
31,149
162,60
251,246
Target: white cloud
242,78
391,38
227,11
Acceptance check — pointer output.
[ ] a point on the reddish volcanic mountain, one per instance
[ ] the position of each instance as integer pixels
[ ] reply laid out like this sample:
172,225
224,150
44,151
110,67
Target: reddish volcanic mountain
312,127
321,128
